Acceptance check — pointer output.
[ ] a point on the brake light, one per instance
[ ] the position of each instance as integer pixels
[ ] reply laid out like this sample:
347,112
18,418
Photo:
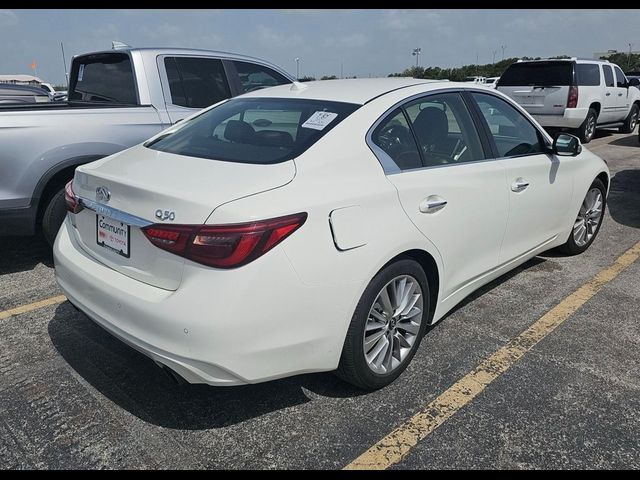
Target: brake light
224,246
572,99
73,205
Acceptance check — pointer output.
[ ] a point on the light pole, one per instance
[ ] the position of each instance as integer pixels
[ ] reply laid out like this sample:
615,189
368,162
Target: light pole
297,68
416,53
629,60
494,56
503,47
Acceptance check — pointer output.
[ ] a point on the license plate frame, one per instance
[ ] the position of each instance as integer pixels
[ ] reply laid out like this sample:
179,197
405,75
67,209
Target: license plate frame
112,238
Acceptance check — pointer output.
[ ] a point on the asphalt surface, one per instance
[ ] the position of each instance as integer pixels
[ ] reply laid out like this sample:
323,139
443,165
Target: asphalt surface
72,396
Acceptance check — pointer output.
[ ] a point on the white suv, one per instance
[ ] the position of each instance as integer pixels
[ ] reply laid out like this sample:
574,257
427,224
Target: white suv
574,93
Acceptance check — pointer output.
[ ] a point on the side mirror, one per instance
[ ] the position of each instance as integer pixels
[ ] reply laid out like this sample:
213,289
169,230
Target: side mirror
634,82
566,145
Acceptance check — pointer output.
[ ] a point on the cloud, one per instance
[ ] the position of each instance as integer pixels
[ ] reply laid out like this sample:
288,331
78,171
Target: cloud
355,40
267,37
8,18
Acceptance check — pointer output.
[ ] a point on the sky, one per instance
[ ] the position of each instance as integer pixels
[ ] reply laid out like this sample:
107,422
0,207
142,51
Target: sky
361,42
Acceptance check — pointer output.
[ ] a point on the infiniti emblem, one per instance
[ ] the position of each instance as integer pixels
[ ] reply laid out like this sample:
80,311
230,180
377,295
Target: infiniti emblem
103,194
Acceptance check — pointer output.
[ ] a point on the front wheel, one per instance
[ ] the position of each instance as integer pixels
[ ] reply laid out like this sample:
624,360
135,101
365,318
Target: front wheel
631,121
588,128
587,223
386,327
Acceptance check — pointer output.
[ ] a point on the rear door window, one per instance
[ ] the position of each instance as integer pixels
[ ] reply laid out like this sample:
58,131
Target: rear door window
608,76
621,79
254,77
196,82
538,74
588,74
104,78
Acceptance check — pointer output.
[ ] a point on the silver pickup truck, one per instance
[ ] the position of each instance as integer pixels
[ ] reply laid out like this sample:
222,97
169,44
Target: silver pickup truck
117,99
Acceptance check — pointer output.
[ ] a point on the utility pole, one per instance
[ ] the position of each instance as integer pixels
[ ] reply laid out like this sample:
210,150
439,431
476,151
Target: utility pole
416,53
503,47
297,59
64,62
494,56
629,60
341,69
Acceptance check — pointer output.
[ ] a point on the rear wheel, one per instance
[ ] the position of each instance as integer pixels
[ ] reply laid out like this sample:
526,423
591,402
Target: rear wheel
53,216
587,223
588,128
387,326
631,121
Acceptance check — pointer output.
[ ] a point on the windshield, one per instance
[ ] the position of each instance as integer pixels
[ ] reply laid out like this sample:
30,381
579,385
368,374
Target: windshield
537,73
255,130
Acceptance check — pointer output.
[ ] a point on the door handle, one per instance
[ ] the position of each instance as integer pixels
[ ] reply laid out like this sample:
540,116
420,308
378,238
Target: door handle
432,204
519,185
608,94
619,94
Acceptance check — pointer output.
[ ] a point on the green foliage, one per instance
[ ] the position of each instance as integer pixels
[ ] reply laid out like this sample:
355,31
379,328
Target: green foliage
328,77
458,73
306,79
626,62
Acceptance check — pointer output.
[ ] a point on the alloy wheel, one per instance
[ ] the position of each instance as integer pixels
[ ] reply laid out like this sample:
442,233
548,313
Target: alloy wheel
589,216
393,324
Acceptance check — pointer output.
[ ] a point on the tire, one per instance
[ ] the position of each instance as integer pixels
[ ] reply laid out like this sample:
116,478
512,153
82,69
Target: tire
574,246
631,121
586,131
354,367
53,216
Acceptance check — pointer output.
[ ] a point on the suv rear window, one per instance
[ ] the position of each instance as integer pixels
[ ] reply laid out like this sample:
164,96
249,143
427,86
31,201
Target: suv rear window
537,73
255,130
588,74
104,78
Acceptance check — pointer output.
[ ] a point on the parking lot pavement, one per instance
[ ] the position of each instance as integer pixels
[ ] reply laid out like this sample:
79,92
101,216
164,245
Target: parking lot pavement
72,396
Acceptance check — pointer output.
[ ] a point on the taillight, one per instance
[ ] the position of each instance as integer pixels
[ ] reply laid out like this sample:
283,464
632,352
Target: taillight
224,246
572,99
73,205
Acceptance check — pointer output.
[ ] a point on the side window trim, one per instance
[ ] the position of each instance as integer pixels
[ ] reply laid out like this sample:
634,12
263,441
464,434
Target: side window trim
233,79
486,139
542,138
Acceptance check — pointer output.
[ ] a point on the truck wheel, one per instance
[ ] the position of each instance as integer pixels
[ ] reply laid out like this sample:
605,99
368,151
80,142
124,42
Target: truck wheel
53,216
588,128
631,120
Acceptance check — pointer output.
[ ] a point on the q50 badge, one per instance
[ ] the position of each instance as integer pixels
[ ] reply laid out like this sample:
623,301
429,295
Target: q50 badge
165,215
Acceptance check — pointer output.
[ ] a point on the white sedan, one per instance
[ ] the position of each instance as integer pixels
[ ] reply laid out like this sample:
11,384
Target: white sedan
319,226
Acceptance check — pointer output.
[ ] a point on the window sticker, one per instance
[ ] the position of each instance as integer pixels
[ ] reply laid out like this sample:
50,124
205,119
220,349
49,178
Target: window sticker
319,120
80,72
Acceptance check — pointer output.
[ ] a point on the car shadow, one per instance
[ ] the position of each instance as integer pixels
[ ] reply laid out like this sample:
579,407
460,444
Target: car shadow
623,201
135,383
627,141
20,254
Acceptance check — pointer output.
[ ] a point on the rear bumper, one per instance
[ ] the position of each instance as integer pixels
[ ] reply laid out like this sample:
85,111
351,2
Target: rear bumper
572,118
229,327
17,221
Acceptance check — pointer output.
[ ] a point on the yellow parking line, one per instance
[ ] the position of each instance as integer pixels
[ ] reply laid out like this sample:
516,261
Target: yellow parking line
396,445
32,306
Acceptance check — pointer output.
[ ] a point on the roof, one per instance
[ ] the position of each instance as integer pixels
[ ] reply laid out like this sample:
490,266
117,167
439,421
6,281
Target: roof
19,78
353,90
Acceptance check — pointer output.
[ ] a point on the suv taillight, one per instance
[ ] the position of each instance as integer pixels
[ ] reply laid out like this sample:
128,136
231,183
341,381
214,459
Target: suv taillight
224,246
70,198
572,99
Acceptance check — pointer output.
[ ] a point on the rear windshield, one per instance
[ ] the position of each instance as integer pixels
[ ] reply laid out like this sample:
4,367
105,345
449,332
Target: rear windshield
255,130
538,73
104,78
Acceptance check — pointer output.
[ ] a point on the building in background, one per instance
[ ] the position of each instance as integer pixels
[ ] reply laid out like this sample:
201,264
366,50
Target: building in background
21,79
